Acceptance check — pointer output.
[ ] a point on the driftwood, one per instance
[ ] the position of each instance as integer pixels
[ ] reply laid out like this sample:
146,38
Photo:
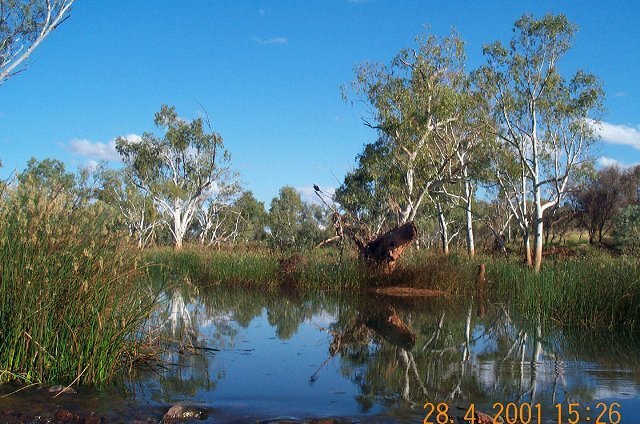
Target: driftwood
410,292
385,250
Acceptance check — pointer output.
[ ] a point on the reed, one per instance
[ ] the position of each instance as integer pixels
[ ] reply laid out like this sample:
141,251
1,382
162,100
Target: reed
589,290
70,302
206,266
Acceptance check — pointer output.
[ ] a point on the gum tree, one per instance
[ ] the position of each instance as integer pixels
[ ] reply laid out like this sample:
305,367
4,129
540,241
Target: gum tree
410,100
134,206
179,170
424,110
24,24
544,121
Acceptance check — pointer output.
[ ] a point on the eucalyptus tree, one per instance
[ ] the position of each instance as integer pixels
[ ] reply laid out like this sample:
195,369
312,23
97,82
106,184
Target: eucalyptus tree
293,223
469,138
218,221
369,190
545,123
24,24
410,99
134,205
253,217
285,215
602,196
179,170
423,105
50,177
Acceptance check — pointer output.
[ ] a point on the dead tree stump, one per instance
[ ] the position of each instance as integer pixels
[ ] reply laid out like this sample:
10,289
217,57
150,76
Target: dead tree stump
385,250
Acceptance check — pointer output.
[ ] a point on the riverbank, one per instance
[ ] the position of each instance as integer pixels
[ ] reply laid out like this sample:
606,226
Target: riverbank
594,289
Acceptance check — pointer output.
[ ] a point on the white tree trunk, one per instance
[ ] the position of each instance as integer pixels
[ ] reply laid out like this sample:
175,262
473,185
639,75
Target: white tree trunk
179,229
444,233
468,196
524,222
539,231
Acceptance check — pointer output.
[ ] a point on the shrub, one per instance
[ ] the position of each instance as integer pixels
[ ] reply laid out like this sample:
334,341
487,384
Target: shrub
626,231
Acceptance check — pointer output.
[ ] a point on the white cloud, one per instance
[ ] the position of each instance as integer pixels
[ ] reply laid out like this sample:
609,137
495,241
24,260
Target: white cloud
274,40
604,162
618,134
97,151
308,194
91,165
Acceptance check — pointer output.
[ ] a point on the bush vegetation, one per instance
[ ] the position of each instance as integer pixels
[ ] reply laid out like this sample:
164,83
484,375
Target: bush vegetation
595,289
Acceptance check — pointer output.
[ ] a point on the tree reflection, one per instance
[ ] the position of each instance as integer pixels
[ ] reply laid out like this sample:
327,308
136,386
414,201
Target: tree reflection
398,353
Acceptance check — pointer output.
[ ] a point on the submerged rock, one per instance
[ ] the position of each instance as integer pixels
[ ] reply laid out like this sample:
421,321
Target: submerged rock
66,416
60,388
185,412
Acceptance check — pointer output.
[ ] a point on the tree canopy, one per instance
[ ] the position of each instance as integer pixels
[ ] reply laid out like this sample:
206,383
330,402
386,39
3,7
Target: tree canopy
180,169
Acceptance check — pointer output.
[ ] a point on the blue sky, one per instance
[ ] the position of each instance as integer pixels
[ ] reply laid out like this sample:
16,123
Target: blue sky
269,74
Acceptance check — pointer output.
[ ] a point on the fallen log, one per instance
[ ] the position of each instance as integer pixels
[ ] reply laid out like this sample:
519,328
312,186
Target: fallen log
385,250
410,292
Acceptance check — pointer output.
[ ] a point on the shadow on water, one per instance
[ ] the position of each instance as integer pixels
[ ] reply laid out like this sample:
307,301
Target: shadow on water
248,355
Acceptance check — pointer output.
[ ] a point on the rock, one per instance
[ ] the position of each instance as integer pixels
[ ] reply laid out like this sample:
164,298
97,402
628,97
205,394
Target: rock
66,416
185,412
60,388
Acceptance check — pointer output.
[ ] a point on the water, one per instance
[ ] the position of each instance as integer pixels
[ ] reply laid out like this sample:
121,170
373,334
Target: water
246,355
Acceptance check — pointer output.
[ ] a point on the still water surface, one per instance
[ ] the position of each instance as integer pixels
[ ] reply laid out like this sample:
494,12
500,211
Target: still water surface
382,358
246,356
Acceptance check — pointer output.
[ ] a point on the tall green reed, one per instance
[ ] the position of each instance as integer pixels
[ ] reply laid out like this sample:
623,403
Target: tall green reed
70,305
589,291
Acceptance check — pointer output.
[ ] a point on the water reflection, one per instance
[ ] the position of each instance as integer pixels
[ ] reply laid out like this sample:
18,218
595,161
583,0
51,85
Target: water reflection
269,354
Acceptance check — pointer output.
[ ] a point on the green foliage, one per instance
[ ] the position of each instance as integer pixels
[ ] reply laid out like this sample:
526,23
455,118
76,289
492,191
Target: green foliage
180,170
415,102
48,174
254,218
178,164
50,177
589,291
295,224
69,305
626,230
366,191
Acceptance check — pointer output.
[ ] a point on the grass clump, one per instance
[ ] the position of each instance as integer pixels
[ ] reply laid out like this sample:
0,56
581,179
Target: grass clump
209,266
593,290
69,300
319,269
590,291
